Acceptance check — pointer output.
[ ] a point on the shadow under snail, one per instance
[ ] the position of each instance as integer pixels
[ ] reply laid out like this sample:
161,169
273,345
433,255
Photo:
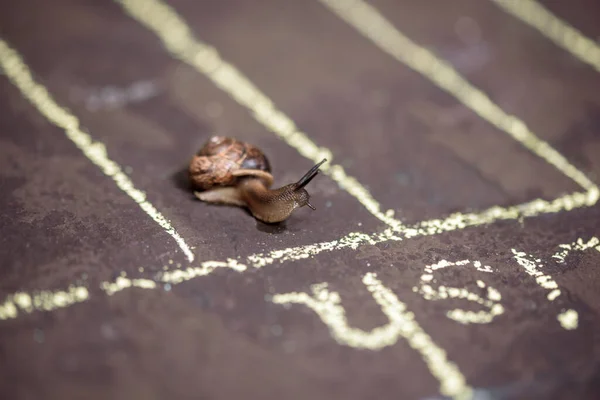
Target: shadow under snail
228,171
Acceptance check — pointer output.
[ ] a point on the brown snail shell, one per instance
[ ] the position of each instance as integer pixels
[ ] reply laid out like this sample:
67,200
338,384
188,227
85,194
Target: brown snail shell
222,161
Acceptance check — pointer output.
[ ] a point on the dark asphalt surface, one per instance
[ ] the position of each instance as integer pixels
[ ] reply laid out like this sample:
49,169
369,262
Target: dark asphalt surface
62,221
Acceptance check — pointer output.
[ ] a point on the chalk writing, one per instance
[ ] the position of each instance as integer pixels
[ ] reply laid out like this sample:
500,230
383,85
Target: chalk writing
490,300
402,325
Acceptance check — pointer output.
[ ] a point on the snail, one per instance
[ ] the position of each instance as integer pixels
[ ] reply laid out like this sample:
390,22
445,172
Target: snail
228,171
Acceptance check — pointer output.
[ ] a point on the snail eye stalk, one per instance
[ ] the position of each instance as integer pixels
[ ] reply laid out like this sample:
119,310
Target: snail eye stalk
309,176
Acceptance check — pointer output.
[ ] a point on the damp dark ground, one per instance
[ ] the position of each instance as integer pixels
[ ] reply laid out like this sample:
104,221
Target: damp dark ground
416,148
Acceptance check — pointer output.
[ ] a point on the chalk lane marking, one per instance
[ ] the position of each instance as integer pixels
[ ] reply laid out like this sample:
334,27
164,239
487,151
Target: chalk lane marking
177,37
19,74
352,241
454,222
45,300
374,26
402,324
458,221
558,31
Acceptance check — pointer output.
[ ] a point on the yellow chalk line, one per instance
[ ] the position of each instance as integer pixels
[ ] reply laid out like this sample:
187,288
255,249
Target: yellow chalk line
568,319
402,324
369,22
560,32
122,283
431,227
178,39
172,277
21,76
354,240
45,300
275,119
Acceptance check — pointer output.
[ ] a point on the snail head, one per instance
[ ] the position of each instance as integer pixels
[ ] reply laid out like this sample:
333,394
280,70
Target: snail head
299,192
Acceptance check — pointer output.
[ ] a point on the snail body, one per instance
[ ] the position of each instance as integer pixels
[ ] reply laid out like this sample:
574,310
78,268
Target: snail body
228,171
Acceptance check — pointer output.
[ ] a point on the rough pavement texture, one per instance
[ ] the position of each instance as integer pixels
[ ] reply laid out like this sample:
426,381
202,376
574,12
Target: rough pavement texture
417,149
